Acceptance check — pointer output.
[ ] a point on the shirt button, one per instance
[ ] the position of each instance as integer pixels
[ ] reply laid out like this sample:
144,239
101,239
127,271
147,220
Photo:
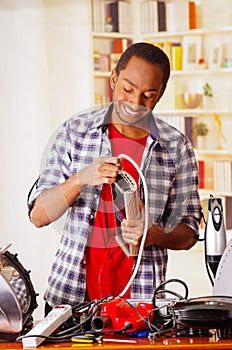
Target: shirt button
91,216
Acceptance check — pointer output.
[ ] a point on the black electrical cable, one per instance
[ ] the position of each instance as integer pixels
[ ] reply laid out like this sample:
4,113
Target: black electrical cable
158,290
90,309
206,264
166,323
67,338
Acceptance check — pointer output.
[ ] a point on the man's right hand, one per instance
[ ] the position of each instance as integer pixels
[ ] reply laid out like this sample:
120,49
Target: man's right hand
102,171
51,204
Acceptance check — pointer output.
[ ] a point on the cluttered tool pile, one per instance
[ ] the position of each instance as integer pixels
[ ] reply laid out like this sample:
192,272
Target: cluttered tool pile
168,313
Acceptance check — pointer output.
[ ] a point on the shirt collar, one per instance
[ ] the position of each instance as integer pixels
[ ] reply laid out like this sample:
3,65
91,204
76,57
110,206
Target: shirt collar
107,117
154,133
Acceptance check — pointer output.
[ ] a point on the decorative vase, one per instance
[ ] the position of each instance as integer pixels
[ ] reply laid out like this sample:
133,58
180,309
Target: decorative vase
207,102
200,142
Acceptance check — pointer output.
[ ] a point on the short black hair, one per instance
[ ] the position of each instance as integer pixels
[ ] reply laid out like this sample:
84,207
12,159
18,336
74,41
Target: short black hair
148,52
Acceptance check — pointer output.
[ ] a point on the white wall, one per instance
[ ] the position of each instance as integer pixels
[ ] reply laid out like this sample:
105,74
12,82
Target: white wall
189,266
44,79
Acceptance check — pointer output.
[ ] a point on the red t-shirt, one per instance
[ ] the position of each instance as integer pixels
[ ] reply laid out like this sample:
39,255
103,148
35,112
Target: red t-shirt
108,269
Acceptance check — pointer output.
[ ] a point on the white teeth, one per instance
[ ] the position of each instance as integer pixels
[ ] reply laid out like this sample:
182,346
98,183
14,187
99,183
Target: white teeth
129,111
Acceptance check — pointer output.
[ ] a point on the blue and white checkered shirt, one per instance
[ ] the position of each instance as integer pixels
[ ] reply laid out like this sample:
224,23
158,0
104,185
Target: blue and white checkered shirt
170,170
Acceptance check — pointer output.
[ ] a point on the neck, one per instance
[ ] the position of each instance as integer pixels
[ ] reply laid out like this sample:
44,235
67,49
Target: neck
134,132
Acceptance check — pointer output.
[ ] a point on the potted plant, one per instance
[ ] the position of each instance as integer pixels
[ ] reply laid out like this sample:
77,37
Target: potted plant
207,96
200,131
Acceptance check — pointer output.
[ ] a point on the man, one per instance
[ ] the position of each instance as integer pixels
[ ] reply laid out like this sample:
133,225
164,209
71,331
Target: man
83,164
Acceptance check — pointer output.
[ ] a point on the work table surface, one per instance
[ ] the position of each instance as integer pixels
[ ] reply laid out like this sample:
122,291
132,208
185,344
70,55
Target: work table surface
140,343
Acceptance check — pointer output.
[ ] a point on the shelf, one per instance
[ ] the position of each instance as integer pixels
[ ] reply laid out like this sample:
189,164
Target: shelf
194,112
111,35
201,71
101,74
223,30
213,152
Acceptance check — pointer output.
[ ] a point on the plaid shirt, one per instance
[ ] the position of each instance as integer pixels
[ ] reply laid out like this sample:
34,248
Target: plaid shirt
170,170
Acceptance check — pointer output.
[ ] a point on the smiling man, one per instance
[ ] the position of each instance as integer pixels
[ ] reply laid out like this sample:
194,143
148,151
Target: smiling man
82,165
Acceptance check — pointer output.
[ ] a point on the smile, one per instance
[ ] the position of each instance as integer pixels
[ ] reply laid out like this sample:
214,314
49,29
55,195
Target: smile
134,112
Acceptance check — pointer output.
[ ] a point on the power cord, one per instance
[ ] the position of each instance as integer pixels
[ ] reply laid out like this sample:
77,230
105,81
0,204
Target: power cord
146,222
165,323
205,248
80,323
87,311
160,288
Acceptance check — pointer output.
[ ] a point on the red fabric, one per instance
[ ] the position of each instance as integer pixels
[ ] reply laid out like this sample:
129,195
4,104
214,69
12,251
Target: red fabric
108,269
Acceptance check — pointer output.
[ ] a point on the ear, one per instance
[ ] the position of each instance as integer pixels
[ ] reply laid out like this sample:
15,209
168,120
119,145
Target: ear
161,93
113,79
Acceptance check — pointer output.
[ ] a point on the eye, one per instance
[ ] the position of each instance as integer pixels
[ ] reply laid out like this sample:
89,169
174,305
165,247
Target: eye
149,95
128,89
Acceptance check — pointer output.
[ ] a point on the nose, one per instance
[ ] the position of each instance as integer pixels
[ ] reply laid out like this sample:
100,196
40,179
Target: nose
137,100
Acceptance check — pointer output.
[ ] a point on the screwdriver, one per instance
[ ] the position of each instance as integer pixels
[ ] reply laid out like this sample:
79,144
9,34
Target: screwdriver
87,338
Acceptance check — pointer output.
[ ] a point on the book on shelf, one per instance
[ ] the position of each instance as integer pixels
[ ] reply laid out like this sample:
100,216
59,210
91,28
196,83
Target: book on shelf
192,14
98,15
153,16
161,10
117,11
180,122
201,173
222,175
167,48
228,176
149,16
113,13
228,211
176,56
104,62
174,52
189,128
176,16
117,48
143,17
96,60
120,11
101,61
125,22
120,45
159,16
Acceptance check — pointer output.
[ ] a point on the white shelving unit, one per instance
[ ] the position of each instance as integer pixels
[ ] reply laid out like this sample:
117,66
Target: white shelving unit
218,118
190,79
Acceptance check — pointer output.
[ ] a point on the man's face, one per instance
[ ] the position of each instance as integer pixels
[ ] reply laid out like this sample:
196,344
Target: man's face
137,89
